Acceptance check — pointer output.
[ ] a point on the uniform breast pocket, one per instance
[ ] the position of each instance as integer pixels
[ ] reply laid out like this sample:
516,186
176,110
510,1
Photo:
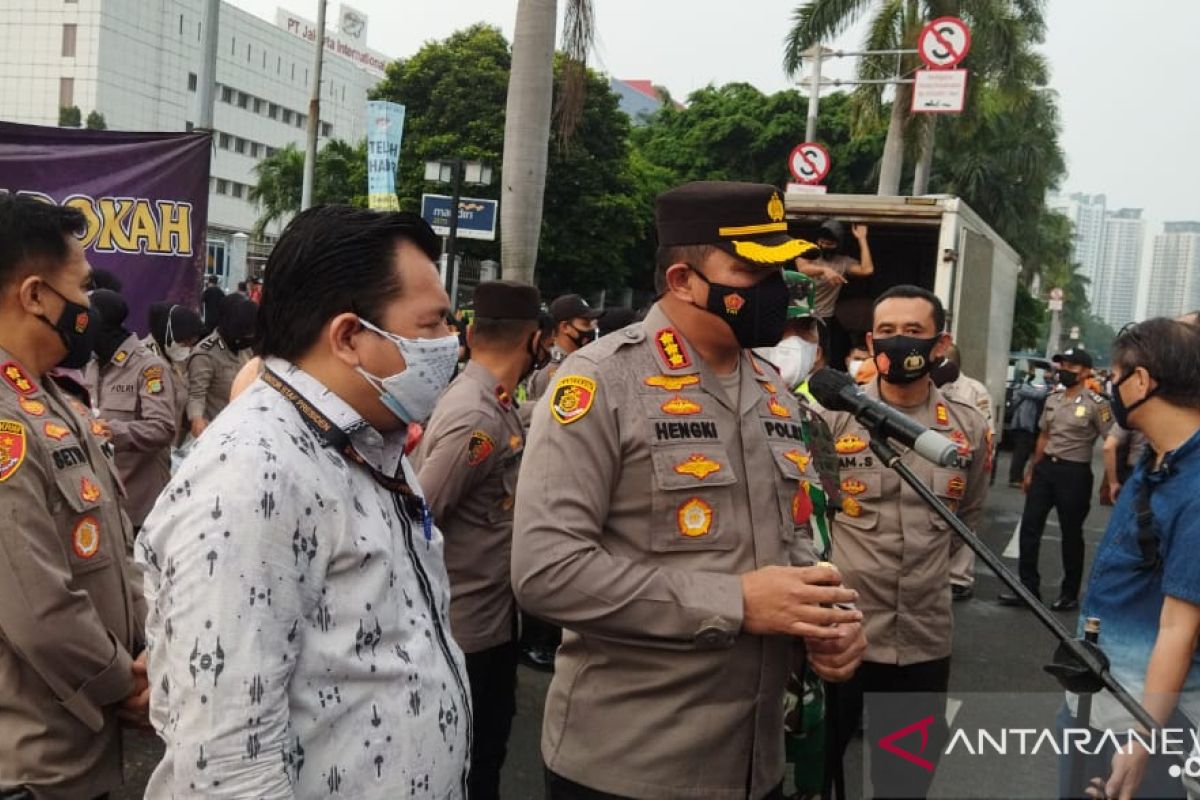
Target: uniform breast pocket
950,485
693,495
795,467
861,490
90,546
502,511
120,405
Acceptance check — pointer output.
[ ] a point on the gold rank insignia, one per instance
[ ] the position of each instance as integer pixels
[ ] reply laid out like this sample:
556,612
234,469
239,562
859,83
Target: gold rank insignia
695,518
479,447
672,383
698,466
85,539
35,408
572,398
799,459
850,444
671,350
853,486
15,377
55,431
89,492
956,486
777,408
769,388
1080,411
851,507
941,415
681,406
12,447
120,357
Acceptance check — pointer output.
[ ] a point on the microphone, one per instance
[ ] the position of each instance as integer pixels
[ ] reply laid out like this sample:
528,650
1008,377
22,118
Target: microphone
837,392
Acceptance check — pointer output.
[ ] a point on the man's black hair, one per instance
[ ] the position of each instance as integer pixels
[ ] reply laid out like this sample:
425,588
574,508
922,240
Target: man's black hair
502,332
331,260
909,292
1169,351
34,233
241,286
103,279
213,280
665,257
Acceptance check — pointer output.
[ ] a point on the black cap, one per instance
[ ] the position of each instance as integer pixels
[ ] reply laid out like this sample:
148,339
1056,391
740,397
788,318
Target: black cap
834,230
1075,355
616,317
507,300
746,220
572,306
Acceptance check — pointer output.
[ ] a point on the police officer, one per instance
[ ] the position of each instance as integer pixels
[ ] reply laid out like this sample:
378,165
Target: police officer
70,633
678,502
215,362
133,391
574,326
467,464
174,331
892,547
1061,476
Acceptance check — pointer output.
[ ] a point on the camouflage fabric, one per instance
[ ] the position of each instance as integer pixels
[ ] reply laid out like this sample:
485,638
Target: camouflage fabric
803,294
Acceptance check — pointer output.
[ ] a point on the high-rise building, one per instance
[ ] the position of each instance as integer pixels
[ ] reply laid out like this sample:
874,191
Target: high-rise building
1175,271
1086,212
139,64
1114,286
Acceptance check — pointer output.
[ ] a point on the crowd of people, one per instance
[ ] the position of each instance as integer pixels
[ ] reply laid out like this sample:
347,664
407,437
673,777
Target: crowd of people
307,533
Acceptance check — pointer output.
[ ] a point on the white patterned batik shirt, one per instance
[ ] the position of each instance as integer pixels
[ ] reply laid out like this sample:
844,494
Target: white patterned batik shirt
298,632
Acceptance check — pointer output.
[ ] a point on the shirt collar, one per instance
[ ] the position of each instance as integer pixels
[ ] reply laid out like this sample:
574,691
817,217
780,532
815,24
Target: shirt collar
483,376
1185,451
381,450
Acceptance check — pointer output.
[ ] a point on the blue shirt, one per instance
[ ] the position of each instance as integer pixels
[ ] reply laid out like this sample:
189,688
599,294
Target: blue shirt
1129,599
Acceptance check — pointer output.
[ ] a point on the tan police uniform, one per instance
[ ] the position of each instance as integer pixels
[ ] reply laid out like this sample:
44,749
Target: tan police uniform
1072,425
969,391
825,302
892,547
467,466
134,393
66,602
540,380
179,387
211,369
667,487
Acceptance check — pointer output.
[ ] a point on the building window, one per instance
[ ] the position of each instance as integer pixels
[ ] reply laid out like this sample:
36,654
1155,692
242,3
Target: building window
222,186
306,76
68,40
343,92
278,64
247,54
326,129
255,149
273,111
301,120
287,116
237,190
258,106
264,66
66,92
191,81
224,141
239,145
293,70
271,151
226,94
243,100
218,259
233,46
181,24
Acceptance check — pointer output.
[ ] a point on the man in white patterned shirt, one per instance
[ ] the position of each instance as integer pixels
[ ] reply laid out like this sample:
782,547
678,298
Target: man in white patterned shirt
298,630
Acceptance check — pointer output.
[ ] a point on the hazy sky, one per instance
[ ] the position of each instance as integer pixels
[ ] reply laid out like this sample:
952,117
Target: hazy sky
1131,123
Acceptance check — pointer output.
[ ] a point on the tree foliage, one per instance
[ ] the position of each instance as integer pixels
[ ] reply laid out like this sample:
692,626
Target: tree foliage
69,117
340,176
95,121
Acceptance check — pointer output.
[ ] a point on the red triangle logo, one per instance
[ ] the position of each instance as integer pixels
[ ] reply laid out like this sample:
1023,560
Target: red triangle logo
888,743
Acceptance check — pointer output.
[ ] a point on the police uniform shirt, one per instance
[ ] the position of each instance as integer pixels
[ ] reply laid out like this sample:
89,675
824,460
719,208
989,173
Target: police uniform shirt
1072,425
539,381
645,492
971,392
892,547
826,292
134,394
179,384
67,608
467,464
211,369
298,636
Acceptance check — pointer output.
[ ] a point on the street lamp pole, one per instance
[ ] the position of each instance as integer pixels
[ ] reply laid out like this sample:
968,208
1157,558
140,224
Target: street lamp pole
456,180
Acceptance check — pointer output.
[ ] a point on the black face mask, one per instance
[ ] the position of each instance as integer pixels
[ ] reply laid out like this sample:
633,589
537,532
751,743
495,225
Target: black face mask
756,314
77,330
1067,378
903,359
1121,411
945,372
582,338
538,356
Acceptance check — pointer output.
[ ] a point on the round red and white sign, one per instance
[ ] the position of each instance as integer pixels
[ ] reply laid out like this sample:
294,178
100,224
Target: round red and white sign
944,42
809,163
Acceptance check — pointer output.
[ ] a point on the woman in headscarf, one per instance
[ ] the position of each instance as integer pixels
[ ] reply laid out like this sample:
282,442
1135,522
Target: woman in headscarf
174,331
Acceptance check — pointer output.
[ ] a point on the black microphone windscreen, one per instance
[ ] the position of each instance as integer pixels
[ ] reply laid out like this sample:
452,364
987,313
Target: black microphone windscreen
827,384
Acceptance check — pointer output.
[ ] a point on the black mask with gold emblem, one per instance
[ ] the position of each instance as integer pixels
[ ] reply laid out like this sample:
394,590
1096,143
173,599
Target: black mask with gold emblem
904,359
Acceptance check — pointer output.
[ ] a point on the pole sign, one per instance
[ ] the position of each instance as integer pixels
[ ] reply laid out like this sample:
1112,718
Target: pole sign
476,216
809,163
943,43
939,91
385,130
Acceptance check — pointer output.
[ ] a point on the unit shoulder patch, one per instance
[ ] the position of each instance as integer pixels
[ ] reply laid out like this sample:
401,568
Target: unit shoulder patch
13,446
572,398
479,447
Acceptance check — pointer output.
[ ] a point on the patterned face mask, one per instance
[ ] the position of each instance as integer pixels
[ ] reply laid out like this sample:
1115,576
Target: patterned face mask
412,394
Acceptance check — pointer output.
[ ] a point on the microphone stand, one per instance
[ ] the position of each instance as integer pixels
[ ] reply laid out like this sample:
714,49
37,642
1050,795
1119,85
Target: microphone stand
1079,665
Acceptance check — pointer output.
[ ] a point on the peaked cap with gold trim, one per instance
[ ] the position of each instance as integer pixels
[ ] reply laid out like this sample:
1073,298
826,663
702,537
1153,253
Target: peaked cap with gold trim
746,220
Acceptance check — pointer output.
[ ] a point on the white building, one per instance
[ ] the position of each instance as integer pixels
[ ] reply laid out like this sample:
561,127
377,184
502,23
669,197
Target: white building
1086,213
137,62
1115,285
1175,271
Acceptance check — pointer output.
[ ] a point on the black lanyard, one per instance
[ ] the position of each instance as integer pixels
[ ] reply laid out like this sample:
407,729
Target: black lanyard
336,438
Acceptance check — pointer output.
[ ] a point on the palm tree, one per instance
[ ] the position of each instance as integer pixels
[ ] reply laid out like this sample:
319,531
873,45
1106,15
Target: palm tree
527,121
277,191
1001,33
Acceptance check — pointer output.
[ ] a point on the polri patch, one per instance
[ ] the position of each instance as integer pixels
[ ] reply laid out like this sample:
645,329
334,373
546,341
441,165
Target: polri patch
153,378
13,447
572,398
15,377
479,448
695,518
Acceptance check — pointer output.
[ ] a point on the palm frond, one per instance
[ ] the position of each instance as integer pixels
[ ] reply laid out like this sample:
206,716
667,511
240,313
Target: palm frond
816,22
578,34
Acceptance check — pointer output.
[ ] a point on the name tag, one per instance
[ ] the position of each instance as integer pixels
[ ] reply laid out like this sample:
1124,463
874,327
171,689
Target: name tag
665,431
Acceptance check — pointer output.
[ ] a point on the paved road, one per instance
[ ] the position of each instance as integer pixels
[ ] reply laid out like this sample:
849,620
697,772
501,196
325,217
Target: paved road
998,658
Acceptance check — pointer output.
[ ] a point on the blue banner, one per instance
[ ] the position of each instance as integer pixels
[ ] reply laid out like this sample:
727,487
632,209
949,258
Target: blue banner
385,129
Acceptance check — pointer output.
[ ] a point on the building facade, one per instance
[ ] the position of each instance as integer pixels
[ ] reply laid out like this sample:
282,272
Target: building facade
1115,284
1087,213
1175,271
138,63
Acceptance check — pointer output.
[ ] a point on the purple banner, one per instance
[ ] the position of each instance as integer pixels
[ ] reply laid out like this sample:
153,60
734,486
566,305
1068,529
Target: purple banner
145,197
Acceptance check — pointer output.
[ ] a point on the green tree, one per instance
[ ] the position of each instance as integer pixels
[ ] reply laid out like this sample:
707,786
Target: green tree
340,176
69,117
95,121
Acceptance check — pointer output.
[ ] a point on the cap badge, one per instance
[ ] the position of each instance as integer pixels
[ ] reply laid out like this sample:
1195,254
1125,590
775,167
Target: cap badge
775,208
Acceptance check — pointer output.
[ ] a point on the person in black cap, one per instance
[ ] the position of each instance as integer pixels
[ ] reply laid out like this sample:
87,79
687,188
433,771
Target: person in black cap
832,268
614,318
1060,476
574,326
467,464
676,544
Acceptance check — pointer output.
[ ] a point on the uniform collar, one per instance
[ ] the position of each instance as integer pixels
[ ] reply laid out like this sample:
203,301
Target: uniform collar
126,350
487,381
16,378
935,408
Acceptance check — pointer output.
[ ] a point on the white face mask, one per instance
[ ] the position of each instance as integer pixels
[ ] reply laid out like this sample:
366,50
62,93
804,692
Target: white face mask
412,394
793,357
854,366
178,353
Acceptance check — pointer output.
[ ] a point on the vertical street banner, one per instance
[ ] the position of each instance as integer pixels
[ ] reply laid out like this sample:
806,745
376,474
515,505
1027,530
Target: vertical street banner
144,197
385,129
